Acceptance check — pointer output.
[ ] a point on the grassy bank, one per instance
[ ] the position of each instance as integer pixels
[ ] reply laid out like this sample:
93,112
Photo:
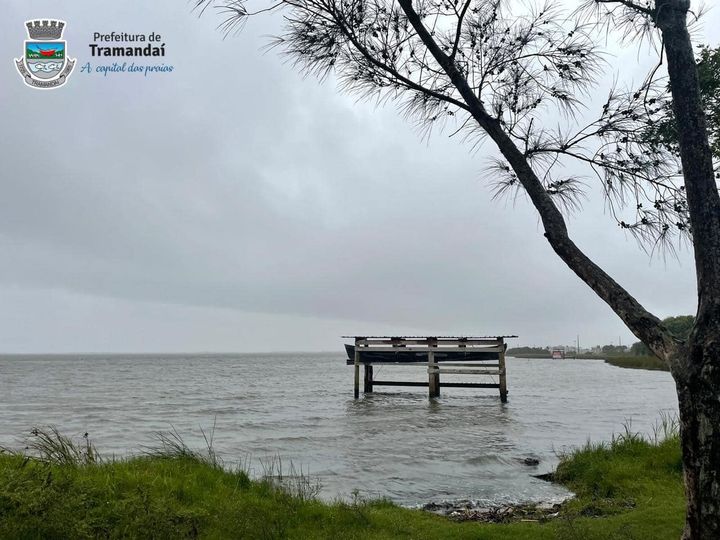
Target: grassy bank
631,362
628,489
569,356
638,362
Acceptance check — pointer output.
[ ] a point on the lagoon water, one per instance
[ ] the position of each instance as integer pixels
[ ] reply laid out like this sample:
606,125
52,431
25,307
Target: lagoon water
395,443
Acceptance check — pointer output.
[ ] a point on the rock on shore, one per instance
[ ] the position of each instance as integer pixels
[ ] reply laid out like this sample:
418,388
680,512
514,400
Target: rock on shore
467,510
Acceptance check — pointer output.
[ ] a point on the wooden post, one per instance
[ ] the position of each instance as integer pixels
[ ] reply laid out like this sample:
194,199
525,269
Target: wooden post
433,375
368,383
503,375
357,369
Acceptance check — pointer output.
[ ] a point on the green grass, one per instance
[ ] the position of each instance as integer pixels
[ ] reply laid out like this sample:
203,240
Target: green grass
638,362
628,489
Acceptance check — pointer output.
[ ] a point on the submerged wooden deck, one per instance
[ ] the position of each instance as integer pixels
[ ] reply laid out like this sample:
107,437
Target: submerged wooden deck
481,356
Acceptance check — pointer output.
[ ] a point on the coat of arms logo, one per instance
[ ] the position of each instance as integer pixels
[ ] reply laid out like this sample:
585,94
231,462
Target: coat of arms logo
45,64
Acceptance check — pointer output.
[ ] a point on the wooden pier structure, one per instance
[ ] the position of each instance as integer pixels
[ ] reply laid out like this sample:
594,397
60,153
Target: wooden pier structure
482,357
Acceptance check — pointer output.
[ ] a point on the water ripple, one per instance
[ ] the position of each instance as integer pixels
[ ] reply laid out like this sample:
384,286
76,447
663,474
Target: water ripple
465,445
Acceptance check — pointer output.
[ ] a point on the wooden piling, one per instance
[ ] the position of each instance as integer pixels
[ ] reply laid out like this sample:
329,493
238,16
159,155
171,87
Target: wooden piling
368,383
433,373
357,370
503,374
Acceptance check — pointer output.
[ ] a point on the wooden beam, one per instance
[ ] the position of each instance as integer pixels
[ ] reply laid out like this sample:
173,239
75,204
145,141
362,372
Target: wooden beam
468,385
400,383
443,385
418,349
441,361
478,364
424,342
439,370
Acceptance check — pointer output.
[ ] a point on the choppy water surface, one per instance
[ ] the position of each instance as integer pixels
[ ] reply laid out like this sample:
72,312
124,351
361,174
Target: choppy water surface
393,443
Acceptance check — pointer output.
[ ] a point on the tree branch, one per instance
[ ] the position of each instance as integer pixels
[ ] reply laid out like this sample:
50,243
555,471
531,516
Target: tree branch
458,30
642,323
627,3
382,65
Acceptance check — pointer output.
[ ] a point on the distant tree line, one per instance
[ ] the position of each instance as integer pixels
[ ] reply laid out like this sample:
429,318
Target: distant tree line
539,351
679,327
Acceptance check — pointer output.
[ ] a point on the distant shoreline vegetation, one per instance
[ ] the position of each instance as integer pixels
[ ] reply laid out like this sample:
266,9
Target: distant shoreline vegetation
528,352
652,363
648,362
637,356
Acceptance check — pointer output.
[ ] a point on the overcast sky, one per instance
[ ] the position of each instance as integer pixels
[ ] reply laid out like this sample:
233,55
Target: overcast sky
234,206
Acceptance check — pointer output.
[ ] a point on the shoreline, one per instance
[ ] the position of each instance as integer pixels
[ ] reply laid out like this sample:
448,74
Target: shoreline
64,490
488,512
649,363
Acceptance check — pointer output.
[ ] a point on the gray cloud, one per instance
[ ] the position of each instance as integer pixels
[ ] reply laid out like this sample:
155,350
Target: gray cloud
233,190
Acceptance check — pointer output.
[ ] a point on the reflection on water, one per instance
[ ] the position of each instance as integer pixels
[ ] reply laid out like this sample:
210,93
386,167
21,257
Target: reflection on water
398,444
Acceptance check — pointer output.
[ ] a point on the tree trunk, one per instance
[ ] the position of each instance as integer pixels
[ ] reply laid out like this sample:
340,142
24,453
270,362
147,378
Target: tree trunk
695,366
695,153
697,373
699,402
